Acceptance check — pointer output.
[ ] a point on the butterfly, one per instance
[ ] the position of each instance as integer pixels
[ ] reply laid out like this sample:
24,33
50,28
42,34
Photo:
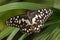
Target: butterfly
33,20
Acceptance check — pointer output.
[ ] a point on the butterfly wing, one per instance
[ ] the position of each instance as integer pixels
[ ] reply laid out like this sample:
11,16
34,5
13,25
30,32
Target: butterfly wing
39,17
19,21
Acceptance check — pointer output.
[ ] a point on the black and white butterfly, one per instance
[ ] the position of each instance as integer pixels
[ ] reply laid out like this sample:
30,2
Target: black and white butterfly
33,20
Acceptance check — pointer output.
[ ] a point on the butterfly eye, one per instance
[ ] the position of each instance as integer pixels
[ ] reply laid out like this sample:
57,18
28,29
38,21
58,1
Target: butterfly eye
33,20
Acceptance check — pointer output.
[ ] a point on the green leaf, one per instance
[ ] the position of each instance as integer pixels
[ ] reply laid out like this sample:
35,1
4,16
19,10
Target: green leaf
6,32
13,34
57,4
23,5
23,36
48,2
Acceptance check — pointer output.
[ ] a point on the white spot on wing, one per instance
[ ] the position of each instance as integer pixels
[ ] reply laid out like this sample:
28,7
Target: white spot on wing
33,20
38,26
19,21
41,21
27,30
17,16
28,22
10,18
35,28
16,19
23,19
39,16
38,10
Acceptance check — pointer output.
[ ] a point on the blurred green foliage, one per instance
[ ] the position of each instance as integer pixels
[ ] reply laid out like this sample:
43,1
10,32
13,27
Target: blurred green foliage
52,25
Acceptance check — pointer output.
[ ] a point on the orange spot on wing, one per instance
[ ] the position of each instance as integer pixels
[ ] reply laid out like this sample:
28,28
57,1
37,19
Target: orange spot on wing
32,27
